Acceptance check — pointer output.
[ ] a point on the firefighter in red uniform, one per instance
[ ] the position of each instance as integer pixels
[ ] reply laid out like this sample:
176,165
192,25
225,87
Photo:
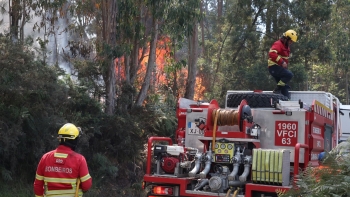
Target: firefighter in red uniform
62,171
278,62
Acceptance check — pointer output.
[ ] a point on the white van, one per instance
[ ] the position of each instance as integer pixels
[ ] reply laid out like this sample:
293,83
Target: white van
345,122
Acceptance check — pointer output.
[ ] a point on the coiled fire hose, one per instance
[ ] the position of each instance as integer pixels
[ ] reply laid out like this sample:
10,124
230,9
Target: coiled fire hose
223,117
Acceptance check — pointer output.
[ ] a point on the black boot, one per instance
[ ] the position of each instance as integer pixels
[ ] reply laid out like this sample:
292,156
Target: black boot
277,90
285,91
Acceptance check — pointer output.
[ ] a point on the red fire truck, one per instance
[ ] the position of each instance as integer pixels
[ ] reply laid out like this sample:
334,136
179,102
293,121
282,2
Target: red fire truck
254,146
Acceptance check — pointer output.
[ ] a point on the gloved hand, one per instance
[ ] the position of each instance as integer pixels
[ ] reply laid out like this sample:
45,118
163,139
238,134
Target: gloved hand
285,65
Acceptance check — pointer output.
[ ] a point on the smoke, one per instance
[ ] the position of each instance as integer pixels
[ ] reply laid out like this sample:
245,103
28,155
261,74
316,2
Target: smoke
4,17
56,33
58,39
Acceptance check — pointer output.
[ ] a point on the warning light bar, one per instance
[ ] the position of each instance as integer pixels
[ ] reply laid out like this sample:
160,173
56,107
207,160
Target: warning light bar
163,190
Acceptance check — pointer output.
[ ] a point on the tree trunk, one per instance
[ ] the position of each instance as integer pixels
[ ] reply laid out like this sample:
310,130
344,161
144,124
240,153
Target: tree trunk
134,60
151,64
202,29
192,63
110,88
251,28
306,87
347,86
109,11
23,20
220,5
174,86
15,16
127,69
175,90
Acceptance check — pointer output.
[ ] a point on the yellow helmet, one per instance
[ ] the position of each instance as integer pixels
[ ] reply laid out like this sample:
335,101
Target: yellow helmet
68,131
291,34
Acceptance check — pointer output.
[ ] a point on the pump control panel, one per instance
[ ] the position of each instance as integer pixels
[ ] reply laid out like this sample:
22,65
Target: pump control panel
224,152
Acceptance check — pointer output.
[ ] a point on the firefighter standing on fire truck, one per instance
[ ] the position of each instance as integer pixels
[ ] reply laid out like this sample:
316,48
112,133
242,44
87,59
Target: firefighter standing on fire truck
278,62
61,171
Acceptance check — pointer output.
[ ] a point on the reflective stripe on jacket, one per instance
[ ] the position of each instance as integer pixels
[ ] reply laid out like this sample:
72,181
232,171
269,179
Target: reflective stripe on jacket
278,53
58,172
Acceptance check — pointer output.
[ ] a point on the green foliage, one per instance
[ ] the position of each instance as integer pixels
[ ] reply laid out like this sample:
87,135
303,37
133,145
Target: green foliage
35,99
300,76
104,169
124,100
163,110
6,174
34,103
331,179
258,78
313,10
320,82
19,188
236,48
180,17
29,95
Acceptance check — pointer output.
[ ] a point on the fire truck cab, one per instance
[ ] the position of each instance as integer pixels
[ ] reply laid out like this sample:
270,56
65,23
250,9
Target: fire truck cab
254,146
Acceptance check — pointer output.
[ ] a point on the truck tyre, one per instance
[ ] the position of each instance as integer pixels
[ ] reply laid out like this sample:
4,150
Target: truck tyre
254,99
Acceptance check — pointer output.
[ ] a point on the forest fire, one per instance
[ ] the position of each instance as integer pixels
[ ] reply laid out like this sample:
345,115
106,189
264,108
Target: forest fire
163,74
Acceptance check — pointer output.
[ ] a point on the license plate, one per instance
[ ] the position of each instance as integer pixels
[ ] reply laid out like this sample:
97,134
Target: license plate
192,129
195,131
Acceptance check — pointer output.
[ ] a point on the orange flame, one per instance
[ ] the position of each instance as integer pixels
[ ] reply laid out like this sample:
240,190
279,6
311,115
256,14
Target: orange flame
159,78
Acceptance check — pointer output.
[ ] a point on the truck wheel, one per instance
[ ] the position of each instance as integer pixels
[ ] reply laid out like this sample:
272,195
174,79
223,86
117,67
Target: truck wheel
254,99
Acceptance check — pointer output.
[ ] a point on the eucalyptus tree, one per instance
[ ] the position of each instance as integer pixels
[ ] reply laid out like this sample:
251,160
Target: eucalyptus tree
39,19
109,13
156,14
192,15
276,19
193,53
311,19
237,45
18,14
136,38
339,38
140,23
181,25
90,47
132,38
22,13
231,50
81,21
212,39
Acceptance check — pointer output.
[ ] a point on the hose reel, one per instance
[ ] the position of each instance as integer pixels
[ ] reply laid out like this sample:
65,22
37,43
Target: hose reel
227,117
